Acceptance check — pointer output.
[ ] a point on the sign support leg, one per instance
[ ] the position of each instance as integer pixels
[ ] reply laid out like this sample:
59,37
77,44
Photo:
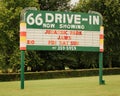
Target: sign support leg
101,81
22,68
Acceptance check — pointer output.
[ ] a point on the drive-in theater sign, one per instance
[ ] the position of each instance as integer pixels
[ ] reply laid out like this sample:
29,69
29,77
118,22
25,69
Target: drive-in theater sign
60,31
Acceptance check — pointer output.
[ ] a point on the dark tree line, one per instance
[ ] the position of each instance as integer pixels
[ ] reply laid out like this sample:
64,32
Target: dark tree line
57,60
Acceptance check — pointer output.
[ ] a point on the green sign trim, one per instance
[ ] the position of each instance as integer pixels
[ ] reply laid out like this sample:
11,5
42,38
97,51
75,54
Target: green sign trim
62,48
62,20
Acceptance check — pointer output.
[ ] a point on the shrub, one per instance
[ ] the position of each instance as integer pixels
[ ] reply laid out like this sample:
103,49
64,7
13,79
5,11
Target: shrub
58,74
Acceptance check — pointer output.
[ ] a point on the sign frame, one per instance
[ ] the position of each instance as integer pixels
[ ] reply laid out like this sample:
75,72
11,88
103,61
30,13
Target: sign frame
24,46
91,30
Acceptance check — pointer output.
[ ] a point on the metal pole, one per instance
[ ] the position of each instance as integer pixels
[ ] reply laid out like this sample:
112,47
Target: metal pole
22,68
101,81
23,42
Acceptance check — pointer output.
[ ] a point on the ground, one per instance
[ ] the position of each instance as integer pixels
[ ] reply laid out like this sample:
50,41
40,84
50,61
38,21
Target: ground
82,86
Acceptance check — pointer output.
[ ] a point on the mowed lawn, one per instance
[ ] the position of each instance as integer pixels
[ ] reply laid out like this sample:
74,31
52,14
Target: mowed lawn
82,86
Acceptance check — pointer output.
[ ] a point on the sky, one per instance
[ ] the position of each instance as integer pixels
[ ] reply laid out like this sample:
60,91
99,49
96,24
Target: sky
74,1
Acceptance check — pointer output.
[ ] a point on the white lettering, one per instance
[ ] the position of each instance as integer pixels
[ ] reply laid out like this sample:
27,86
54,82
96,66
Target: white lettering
69,18
48,25
49,17
64,18
38,19
30,19
90,20
77,19
95,20
71,26
58,18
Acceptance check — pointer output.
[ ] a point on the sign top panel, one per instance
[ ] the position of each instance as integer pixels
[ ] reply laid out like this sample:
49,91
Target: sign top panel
62,20
53,30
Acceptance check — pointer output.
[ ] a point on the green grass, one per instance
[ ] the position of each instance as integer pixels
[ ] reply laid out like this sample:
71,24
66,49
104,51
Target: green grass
82,86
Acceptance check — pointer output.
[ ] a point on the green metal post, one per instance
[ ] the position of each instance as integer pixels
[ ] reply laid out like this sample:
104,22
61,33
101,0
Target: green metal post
101,81
22,68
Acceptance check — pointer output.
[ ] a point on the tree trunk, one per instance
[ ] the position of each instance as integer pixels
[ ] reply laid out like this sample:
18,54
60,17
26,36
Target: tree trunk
110,62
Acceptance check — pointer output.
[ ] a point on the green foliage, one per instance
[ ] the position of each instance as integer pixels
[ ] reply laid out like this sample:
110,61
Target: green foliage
58,74
47,60
9,34
53,5
110,9
9,31
33,61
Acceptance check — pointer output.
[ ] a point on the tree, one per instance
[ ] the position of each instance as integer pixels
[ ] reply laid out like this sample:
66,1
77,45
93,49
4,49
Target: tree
53,60
54,5
110,9
9,31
